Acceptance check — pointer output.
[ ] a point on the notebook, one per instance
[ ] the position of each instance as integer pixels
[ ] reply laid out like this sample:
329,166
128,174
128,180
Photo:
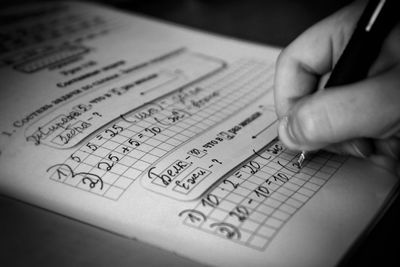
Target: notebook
168,135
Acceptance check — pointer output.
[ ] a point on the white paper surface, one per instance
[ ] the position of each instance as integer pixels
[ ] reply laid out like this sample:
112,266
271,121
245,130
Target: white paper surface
167,135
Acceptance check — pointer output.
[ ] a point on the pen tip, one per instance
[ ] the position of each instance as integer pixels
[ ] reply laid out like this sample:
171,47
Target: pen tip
301,159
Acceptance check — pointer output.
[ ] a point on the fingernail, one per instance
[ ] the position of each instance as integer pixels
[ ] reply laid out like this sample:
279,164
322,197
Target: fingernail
361,149
358,151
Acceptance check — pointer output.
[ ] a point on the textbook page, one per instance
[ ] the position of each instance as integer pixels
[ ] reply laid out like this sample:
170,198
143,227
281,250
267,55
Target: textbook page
168,135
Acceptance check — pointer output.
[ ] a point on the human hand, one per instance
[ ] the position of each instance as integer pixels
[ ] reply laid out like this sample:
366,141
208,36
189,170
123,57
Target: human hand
361,119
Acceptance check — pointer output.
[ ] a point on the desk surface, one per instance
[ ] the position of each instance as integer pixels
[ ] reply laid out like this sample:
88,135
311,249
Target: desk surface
34,237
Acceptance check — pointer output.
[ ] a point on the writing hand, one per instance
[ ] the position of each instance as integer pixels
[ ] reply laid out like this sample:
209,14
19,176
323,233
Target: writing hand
361,119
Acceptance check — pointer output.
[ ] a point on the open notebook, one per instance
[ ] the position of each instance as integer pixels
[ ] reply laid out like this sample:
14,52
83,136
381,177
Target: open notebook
168,135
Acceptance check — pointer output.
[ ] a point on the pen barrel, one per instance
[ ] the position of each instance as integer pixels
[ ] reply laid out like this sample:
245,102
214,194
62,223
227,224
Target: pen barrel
365,44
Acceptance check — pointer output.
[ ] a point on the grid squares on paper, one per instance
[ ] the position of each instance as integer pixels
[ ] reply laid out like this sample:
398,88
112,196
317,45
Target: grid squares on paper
107,165
259,219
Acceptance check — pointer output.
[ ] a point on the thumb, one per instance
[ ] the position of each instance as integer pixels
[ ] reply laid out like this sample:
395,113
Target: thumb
364,109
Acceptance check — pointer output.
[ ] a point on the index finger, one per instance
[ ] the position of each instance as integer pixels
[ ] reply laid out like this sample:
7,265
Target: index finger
311,55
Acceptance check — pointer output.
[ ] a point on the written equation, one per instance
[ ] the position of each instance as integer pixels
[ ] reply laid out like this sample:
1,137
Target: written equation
251,205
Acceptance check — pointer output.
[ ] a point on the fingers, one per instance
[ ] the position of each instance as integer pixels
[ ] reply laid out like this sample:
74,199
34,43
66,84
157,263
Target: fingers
369,108
366,147
389,147
387,163
311,55
384,153
360,147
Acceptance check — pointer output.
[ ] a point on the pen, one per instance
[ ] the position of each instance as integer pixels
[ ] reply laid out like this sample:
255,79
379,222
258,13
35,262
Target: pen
375,23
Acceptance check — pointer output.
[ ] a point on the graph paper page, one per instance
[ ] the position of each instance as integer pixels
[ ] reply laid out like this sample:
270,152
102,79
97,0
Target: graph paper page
168,136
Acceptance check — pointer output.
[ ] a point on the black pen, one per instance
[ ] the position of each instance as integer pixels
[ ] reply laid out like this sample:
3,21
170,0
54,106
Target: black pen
375,23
